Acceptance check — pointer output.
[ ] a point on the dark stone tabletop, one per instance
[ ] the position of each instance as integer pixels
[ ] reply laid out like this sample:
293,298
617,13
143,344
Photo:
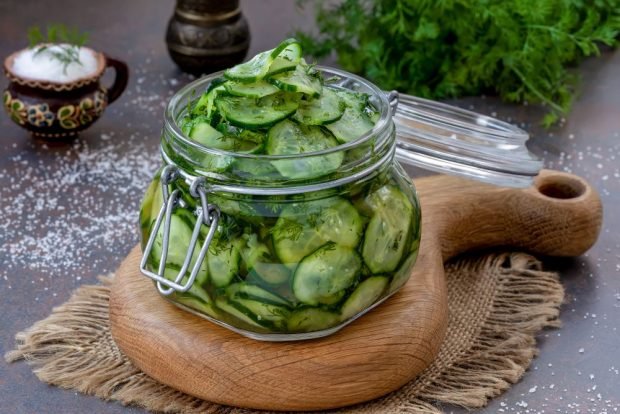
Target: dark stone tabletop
68,212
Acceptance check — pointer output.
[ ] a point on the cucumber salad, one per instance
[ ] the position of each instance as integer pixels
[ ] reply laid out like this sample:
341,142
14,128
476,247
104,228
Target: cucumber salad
287,263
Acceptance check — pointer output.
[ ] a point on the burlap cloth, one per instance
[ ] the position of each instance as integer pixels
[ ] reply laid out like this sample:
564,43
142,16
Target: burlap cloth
498,303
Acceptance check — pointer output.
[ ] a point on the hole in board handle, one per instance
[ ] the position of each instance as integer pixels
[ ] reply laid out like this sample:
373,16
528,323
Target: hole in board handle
561,187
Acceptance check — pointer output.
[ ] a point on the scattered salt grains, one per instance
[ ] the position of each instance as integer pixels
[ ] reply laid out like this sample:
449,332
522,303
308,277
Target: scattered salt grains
59,217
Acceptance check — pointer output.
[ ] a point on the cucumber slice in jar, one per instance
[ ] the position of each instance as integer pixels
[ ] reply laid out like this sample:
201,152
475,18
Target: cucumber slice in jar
206,135
241,134
286,60
206,104
252,167
404,272
387,232
320,111
259,262
298,80
304,227
351,125
354,100
237,311
389,197
198,304
270,272
311,319
364,295
339,222
324,276
223,262
288,138
149,208
293,237
254,305
257,67
180,235
251,90
262,313
247,291
257,113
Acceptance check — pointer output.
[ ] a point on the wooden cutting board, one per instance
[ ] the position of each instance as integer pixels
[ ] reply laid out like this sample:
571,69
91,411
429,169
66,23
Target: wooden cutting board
560,216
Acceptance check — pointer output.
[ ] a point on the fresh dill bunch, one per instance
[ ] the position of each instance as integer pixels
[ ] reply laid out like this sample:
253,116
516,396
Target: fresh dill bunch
522,50
67,40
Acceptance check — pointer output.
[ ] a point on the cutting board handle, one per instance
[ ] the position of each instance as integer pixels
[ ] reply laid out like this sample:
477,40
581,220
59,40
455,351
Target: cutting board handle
560,215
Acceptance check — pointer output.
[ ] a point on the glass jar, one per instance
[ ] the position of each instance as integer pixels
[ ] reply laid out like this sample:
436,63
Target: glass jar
298,246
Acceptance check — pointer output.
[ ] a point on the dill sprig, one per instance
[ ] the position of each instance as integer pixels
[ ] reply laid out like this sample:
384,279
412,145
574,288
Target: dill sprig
522,50
67,42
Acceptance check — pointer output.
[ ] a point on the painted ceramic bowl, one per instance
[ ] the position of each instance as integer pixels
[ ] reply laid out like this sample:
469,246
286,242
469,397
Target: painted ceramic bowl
56,110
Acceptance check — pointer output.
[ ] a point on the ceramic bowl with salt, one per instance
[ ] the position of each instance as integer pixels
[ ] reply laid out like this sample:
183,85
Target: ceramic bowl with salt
55,99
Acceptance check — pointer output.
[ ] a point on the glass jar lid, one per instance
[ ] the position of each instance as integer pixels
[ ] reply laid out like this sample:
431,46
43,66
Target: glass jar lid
451,140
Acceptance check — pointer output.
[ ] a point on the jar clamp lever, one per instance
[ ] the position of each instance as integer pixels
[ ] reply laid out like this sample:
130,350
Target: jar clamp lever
208,214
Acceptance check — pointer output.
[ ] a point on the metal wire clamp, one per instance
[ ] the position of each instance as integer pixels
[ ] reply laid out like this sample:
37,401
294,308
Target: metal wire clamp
208,214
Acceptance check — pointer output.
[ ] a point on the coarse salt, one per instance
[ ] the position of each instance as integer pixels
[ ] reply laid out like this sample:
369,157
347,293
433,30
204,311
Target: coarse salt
44,66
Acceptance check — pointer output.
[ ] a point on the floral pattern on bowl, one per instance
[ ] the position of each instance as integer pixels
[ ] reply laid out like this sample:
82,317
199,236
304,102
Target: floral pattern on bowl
15,108
57,110
40,115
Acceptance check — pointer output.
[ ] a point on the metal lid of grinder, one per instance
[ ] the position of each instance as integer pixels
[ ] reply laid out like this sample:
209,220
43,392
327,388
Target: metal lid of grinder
451,140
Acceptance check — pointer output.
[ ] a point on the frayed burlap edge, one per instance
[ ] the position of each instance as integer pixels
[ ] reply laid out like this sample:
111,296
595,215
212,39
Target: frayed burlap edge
73,347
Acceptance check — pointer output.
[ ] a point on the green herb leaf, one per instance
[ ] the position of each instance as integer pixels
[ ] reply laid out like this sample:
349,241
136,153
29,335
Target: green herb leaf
523,50
68,39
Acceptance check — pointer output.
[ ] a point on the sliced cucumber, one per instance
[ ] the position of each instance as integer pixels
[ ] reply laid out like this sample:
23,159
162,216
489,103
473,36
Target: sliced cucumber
257,67
148,213
237,208
389,197
324,276
388,231
320,111
246,291
255,168
272,273
286,60
251,90
288,138
373,116
354,100
298,80
237,311
352,124
171,271
206,135
257,113
364,295
253,250
404,272
311,319
206,103
304,227
223,262
241,134
293,237
259,262
180,234
385,240
340,222
198,304
262,312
